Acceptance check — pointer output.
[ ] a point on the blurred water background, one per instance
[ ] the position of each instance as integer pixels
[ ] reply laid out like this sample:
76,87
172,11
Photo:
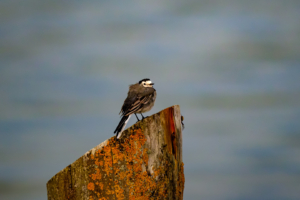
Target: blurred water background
233,67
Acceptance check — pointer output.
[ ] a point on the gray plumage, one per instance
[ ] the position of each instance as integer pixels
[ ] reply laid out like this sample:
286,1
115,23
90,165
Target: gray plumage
140,98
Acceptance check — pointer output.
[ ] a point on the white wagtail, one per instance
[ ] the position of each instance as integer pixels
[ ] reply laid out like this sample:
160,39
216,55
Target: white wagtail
140,98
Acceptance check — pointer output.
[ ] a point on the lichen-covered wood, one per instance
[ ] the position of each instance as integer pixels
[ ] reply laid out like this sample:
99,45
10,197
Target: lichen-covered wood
145,163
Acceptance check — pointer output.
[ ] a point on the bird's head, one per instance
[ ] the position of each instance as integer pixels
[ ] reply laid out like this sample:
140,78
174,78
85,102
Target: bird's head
146,83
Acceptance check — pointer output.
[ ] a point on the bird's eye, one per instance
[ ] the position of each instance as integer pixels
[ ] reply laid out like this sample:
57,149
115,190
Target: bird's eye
144,83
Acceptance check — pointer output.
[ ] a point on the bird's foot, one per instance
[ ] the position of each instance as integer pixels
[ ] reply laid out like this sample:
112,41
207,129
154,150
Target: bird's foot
137,118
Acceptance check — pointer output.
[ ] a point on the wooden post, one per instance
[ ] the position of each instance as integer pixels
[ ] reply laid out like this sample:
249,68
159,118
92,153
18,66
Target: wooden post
145,163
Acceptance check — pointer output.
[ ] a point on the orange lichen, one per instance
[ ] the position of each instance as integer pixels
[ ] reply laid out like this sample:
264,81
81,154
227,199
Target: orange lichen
180,182
91,186
101,186
121,171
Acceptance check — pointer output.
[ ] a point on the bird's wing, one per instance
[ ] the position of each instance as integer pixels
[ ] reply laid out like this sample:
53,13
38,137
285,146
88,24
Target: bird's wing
129,101
135,101
138,104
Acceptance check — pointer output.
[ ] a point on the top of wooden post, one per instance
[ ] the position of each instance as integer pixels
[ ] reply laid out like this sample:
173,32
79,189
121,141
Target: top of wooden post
145,163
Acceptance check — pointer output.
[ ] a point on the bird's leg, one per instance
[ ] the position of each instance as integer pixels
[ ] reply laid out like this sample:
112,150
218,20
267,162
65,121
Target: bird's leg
142,116
137,117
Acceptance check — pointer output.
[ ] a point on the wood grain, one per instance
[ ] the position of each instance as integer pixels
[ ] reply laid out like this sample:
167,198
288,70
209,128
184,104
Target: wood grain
145,163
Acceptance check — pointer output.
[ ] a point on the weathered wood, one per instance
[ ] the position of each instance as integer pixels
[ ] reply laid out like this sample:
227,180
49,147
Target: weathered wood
145,163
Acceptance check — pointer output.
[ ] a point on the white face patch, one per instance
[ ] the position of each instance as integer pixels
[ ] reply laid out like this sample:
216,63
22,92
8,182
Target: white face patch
147,83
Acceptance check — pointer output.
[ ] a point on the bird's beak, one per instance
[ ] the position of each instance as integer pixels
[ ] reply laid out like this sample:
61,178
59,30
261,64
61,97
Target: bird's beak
151,84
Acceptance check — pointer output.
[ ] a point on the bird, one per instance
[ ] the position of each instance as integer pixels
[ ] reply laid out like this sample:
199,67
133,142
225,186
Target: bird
140,98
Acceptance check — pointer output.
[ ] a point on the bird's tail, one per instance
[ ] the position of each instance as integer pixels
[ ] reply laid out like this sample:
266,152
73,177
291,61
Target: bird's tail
121,126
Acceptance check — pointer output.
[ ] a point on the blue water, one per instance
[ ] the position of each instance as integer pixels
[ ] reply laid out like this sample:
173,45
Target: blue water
232,66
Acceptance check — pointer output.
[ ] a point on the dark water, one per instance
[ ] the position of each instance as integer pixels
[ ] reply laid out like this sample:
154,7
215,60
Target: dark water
232,66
